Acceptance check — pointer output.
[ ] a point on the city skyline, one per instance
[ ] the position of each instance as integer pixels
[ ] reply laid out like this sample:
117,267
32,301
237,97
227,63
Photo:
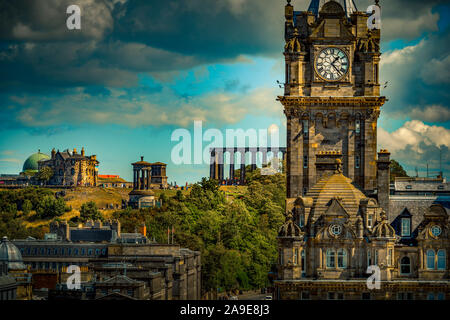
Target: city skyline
131,87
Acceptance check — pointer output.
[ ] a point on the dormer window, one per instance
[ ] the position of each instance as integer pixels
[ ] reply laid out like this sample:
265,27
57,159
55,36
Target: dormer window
406,227
370,220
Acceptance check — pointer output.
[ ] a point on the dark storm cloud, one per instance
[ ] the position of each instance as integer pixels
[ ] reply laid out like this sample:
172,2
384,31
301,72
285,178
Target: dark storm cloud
120,38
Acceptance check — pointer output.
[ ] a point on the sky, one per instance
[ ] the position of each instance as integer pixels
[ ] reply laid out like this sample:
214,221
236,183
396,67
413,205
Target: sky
138,71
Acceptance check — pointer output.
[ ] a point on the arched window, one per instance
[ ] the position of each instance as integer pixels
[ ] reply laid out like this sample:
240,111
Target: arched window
430,259
72,171
301,220
405,265
296,256
441,259
342,258
331,259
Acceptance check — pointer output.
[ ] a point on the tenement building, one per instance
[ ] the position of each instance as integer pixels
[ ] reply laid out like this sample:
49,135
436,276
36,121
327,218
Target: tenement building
71,168
113,264
341,222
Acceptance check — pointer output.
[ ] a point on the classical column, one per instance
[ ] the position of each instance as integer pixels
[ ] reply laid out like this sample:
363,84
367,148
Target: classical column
142,179
148,178
220,164
212,165
253,158
242,176
134,178
232,165
264,156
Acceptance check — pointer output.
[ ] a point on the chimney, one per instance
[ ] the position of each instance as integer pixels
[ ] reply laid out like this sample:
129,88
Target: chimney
82,151
383,179
53,153
142,158
328,163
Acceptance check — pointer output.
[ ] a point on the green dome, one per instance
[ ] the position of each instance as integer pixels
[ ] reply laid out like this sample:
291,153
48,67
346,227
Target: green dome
32,162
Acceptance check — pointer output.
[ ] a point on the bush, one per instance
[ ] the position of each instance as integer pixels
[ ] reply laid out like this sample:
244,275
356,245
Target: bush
50,207
89,211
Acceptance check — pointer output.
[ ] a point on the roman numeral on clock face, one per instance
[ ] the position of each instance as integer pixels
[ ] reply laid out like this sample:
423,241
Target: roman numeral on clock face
332,64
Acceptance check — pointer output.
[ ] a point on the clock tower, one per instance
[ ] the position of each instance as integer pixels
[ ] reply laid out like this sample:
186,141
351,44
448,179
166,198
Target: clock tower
331,95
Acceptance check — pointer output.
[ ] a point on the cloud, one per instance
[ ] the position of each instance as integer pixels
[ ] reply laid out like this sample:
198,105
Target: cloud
140,108
417,76
433,113
416,144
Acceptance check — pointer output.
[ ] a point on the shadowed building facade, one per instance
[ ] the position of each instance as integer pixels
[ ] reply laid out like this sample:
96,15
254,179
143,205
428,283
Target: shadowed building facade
338,219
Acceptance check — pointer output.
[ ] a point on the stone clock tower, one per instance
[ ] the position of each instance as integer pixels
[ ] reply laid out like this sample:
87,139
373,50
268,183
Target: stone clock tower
332,94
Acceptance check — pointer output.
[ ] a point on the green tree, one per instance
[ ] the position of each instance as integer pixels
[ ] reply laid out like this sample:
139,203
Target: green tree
50,207
45,174
89,211
396,170
27,206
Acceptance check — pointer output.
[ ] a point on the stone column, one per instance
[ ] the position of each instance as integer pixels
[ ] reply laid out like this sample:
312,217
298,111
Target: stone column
212,165
264,156
142,179
253,158
232,165
134,178
242,175
148,178
220,160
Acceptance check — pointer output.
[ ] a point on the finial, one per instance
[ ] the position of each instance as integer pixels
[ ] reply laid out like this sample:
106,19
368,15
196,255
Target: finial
289,2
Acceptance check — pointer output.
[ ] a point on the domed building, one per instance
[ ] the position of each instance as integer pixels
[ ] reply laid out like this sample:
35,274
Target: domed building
11,258
31,163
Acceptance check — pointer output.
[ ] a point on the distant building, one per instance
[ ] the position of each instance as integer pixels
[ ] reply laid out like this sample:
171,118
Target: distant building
113,181
113,266
147,176
71,168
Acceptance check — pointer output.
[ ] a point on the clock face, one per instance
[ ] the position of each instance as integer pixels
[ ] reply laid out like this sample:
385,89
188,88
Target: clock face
332,64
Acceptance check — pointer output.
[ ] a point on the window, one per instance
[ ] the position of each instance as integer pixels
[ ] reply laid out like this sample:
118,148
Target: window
75,251
405,265
69,251
301,220
375,260
90,252
369,258
331,295
83,251
340,296
305,161
305,295
389,257
441,296
280,255
130,292
296,256
61,172
305,127
430,296
370,220
357,162
441,259
97,252
405,296
288,73
409,187
342,258
303,262
331,259
440,187
366,296
72,171
358,126
430,259
406,227
376,72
